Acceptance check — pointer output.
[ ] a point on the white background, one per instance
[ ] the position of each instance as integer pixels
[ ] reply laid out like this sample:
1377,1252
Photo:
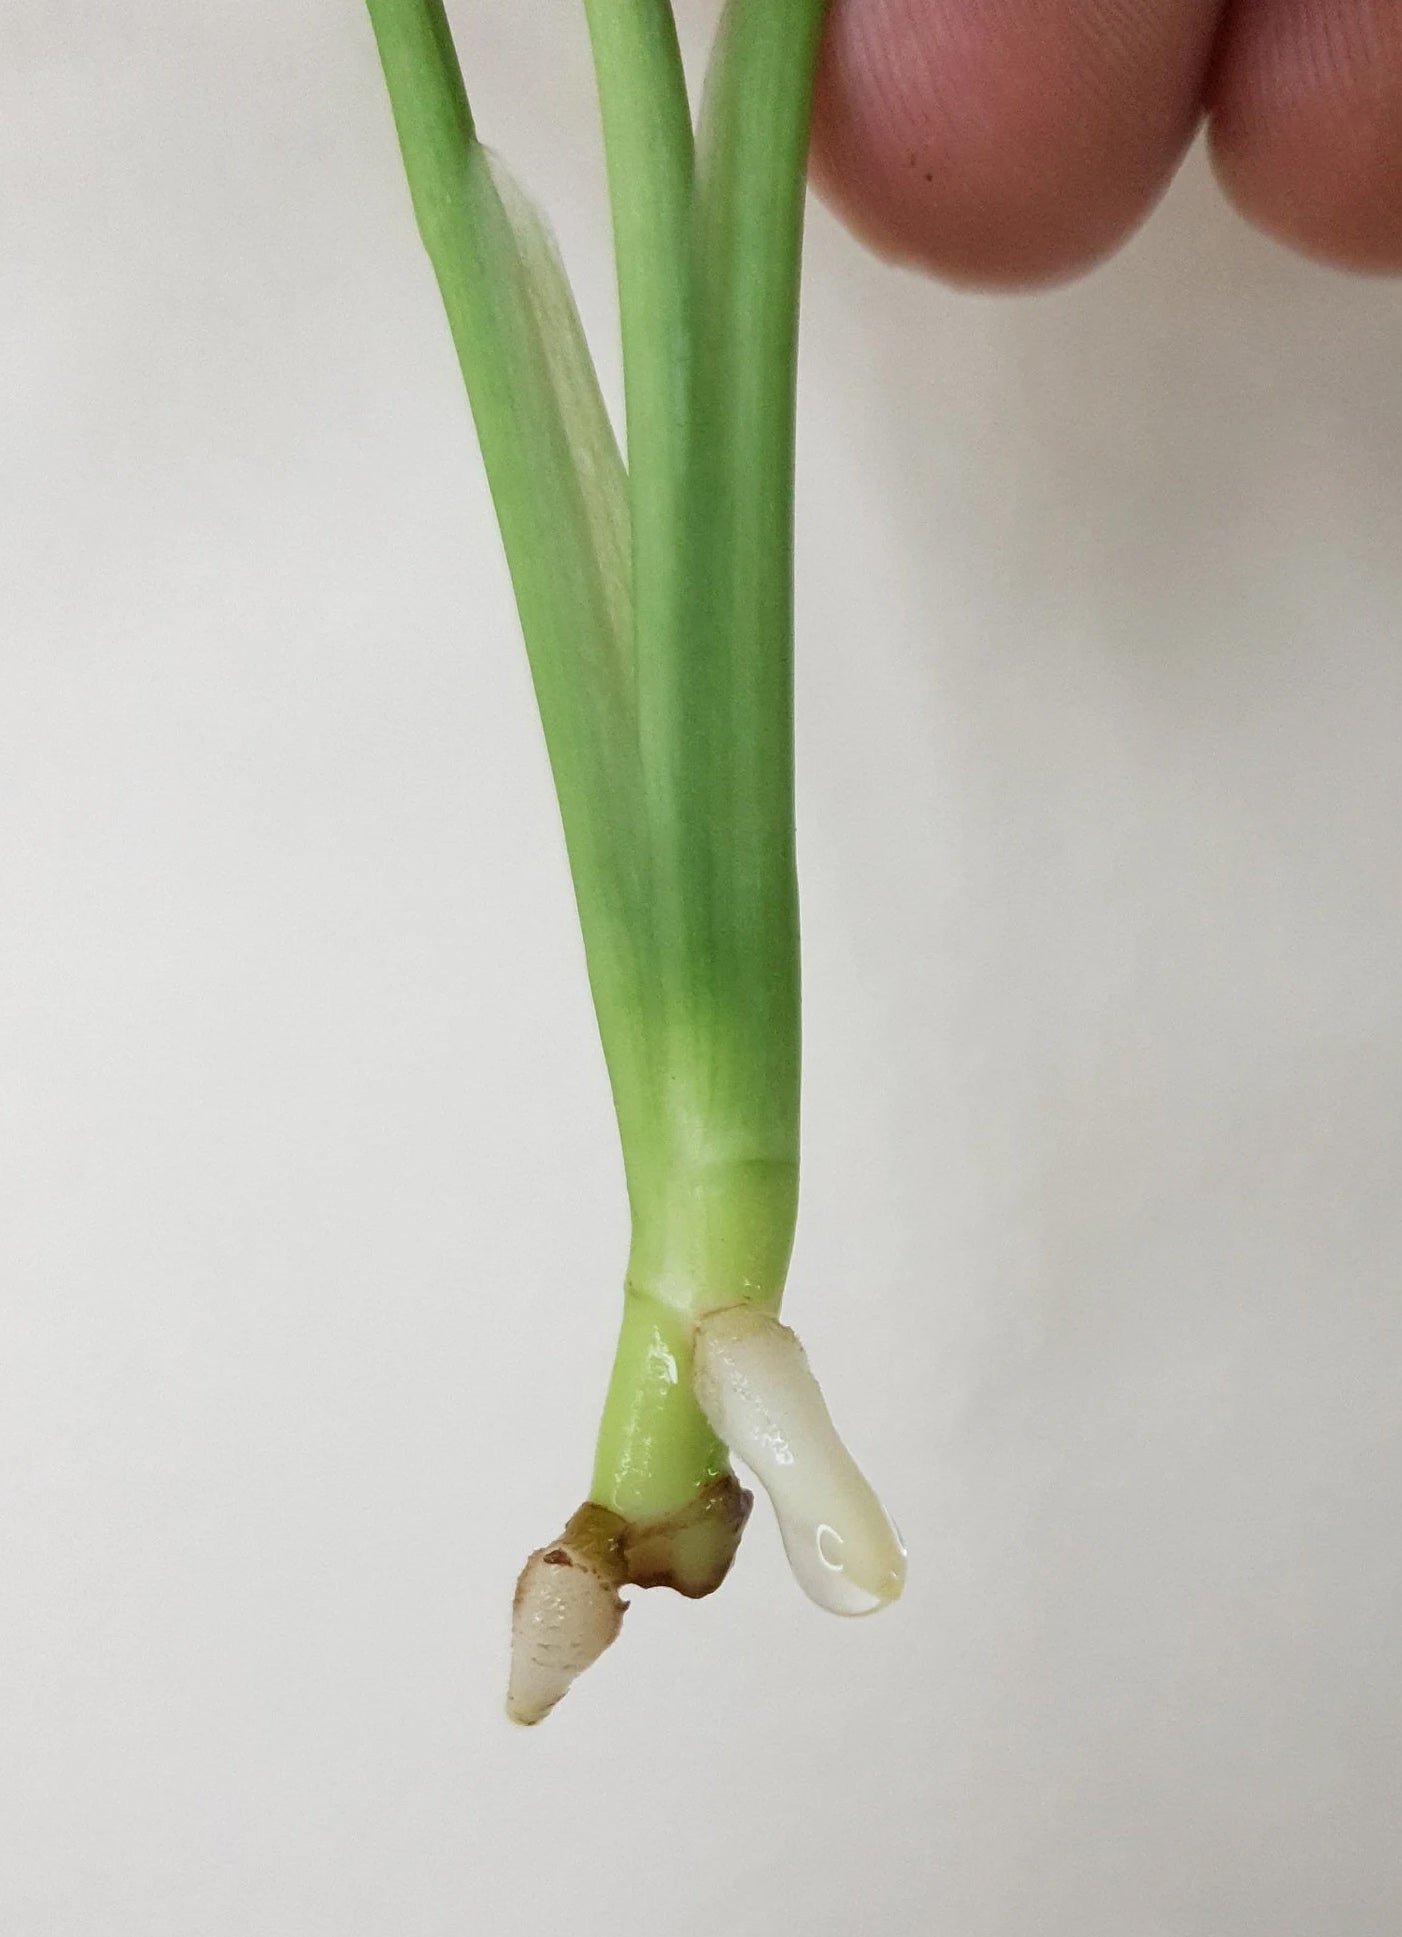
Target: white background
311,1224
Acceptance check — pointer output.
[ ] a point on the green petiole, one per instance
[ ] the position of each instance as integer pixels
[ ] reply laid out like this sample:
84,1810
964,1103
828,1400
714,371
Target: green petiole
657,606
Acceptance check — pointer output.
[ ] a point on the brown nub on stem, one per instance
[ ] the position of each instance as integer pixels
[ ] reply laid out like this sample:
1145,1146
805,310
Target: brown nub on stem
692,1549
568,1609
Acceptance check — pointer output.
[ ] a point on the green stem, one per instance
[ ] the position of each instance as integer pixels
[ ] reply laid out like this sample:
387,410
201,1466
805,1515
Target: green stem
560,493
649,149
658,615
733,831
718,761
708,1239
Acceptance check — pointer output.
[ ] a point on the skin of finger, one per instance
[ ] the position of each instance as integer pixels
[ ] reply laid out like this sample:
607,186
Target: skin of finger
1006,142
1306,101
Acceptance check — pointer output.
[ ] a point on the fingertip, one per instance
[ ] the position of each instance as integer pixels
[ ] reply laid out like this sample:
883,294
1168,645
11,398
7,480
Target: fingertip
1005,153
1306,127
974,236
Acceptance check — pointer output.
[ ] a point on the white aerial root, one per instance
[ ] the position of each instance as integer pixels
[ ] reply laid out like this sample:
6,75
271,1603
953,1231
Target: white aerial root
752,1380
566,1612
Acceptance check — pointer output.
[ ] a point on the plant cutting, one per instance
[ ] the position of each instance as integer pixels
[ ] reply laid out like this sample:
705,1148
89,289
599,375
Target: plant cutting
656,600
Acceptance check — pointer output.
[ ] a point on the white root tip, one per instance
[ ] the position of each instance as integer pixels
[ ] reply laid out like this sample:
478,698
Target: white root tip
752,1380
566,1612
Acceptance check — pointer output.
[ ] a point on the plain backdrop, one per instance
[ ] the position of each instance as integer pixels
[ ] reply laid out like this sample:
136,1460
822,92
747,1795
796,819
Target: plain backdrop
311,1223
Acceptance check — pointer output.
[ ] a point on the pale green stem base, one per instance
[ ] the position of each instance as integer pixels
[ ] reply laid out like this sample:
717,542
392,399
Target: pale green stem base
711,1238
